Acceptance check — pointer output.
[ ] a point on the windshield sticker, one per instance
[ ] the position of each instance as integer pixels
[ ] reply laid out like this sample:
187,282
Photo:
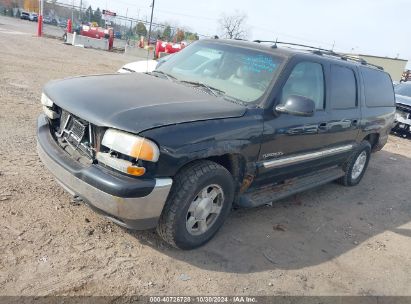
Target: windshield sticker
259,63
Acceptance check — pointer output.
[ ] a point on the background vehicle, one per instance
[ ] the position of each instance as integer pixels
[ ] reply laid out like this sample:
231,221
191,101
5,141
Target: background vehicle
117,35
220,123
25,16
406,76
62,23
402,123
33,17
47,20
143,66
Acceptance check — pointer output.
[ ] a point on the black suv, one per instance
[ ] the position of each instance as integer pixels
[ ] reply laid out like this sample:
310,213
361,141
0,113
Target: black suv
221,123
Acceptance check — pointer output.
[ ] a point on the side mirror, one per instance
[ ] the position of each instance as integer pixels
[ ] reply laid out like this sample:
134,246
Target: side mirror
297,105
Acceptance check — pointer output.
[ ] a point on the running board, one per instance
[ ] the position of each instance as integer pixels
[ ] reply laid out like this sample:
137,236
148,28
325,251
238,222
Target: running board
271,193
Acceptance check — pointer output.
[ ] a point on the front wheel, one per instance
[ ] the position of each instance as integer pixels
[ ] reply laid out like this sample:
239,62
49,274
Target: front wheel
199,202
356,165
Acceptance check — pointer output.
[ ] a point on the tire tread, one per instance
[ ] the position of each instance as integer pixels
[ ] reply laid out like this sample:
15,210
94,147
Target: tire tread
184,181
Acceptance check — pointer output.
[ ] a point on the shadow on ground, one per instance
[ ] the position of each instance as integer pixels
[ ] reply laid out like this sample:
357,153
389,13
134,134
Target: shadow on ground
316,226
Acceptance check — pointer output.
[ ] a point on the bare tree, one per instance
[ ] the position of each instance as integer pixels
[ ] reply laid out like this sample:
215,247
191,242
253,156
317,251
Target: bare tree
234,26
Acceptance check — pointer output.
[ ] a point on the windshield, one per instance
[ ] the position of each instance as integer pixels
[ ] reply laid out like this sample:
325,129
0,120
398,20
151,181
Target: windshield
234,72
403,89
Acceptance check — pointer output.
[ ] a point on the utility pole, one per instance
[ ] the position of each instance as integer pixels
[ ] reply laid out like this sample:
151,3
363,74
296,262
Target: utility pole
151,22
81,12
40,19
72,12
125,23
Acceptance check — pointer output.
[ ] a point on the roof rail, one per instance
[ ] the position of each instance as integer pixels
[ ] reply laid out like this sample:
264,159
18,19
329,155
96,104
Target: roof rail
320,51
293,44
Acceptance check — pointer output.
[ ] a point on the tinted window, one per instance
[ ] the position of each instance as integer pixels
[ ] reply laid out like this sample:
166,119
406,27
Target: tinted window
306,79
343,89
378,88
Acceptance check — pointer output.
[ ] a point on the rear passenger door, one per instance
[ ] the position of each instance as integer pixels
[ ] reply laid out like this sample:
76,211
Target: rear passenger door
343,106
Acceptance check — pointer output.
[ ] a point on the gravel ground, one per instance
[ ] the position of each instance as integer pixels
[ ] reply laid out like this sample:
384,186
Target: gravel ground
328,241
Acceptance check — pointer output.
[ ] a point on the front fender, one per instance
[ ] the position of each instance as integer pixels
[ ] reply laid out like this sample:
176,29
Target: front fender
183,143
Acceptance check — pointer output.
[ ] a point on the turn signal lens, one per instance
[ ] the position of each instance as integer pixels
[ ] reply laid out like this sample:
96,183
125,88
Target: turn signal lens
136,171
131,145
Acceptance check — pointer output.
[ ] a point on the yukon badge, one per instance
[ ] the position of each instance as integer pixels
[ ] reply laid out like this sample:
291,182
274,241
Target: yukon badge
273,155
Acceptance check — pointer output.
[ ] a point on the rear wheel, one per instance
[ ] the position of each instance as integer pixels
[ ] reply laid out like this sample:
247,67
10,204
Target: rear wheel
356,165
198,204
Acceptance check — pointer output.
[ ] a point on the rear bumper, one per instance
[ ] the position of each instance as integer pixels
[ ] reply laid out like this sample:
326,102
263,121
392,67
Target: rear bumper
130,202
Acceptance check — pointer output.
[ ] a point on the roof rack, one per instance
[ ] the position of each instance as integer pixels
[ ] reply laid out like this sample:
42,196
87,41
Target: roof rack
320,51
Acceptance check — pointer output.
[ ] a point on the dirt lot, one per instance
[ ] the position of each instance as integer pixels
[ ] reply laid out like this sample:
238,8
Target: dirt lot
333,240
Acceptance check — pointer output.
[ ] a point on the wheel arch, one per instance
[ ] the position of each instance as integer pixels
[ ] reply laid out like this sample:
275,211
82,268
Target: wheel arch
373,139
235,163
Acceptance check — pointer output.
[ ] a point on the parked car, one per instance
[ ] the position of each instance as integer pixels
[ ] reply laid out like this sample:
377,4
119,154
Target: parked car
143,66
117,35
406,76
25,15
221,123
62,23
47,20
33,17
402,123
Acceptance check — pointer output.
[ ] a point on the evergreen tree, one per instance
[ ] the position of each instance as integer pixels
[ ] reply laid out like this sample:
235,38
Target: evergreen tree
167,33
97,17
141,29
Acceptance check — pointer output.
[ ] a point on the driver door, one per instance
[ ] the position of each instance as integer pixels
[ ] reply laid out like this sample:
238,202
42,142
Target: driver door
286,136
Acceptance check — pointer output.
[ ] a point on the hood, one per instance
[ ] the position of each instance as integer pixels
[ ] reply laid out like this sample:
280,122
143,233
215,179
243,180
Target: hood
137,102
405,100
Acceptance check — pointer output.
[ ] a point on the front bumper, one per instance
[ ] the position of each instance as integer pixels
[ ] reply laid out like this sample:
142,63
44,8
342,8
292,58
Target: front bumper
130,202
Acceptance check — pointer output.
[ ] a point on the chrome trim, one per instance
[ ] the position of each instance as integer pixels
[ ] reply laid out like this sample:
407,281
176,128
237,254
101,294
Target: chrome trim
305,157
135,208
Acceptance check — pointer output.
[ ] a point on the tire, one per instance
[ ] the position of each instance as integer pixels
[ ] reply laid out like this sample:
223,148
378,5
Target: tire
352,174
189,202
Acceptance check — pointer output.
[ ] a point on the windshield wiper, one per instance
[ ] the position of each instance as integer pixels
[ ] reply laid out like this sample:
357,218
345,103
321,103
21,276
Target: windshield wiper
168,76
214,91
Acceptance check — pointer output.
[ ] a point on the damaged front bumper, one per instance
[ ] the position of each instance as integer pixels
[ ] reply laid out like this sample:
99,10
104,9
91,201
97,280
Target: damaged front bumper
130,202
402,121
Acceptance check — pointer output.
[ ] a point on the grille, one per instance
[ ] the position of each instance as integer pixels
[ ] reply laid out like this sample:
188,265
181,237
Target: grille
74,132
77,129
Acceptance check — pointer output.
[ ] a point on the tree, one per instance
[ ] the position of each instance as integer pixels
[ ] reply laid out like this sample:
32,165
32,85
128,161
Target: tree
141,29
179,36
89,13
96,17
191,36
234,26
167,33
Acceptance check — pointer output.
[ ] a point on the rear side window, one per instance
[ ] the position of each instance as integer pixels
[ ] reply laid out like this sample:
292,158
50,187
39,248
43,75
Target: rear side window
343,89
378,88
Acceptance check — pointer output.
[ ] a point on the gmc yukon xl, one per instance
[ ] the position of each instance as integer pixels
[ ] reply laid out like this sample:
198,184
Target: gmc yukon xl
222,123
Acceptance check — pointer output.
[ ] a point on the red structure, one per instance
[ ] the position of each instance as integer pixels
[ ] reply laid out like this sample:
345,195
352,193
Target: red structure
98,33
40,26
69,26
168,47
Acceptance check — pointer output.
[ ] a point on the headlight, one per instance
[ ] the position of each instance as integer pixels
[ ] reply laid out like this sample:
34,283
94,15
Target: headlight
47,107
131,145
45,101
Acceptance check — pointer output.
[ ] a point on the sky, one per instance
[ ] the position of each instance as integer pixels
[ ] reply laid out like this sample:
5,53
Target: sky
374,27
